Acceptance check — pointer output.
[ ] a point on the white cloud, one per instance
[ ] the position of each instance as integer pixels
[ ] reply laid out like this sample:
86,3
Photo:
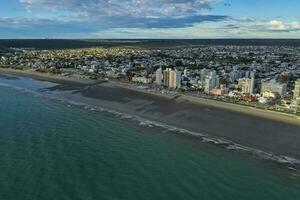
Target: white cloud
130,13
276,25
135,8
295,25
145,19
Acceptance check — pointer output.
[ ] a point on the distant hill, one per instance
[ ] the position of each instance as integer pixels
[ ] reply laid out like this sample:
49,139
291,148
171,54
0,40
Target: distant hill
140,43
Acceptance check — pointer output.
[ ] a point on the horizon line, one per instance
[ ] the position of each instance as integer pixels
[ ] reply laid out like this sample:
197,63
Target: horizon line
62,38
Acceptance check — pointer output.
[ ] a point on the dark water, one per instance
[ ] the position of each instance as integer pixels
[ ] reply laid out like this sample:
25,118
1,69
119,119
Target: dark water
51,151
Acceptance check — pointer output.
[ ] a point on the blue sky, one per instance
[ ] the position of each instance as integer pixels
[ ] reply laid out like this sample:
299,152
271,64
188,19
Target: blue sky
150,19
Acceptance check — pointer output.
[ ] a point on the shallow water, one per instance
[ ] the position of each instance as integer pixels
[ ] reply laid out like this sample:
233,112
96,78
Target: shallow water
50,150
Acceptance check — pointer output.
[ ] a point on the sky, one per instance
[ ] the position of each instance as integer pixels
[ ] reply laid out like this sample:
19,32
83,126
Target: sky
167,19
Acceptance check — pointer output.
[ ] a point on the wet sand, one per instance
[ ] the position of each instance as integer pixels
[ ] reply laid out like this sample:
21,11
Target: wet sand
46,76
249,130
264,130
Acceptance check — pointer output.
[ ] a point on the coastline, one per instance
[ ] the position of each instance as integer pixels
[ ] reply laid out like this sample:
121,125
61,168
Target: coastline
268,114
254,129
45,76
60,140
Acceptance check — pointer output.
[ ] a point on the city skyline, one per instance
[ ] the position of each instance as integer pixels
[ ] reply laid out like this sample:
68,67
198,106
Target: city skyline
131,19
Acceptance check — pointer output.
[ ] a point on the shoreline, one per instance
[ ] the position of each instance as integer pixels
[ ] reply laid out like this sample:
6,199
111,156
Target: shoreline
45,76
268,114
226,124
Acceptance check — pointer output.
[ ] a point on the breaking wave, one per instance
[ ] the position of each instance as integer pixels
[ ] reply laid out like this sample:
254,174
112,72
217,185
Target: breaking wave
289,162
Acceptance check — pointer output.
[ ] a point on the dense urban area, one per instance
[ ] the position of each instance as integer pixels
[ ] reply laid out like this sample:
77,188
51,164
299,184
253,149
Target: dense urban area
265,77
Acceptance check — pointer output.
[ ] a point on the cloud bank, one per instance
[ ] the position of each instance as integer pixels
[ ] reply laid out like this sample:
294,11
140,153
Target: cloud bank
131,13
140,18
276,25
129,8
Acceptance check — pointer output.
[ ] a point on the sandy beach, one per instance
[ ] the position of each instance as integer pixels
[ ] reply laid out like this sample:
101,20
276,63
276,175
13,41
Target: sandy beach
279,116
265,130
46,76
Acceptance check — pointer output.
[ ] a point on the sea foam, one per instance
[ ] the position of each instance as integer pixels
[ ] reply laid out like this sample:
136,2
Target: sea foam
289,162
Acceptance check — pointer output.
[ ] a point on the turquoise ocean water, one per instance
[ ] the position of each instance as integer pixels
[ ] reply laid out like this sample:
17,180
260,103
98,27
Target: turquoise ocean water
51,151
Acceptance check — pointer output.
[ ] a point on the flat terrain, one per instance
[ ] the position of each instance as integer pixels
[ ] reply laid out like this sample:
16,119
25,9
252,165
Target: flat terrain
140,43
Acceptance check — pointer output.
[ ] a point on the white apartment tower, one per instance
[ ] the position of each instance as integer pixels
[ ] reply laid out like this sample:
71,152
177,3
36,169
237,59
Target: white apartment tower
159,76
172,78
273,86
297,89
175,79
166,77
211,81
247,85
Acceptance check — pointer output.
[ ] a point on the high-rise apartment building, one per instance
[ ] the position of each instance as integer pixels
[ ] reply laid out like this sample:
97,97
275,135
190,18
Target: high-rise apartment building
247,85
297,89
273,86
159,76
172,78
211,81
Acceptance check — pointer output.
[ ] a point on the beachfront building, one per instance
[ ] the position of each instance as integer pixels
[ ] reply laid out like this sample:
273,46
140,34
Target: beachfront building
159,76
212,81
247,85
141,79
166,77
172,78
268,94
219,91
175,79
297,90
274,87
203,73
